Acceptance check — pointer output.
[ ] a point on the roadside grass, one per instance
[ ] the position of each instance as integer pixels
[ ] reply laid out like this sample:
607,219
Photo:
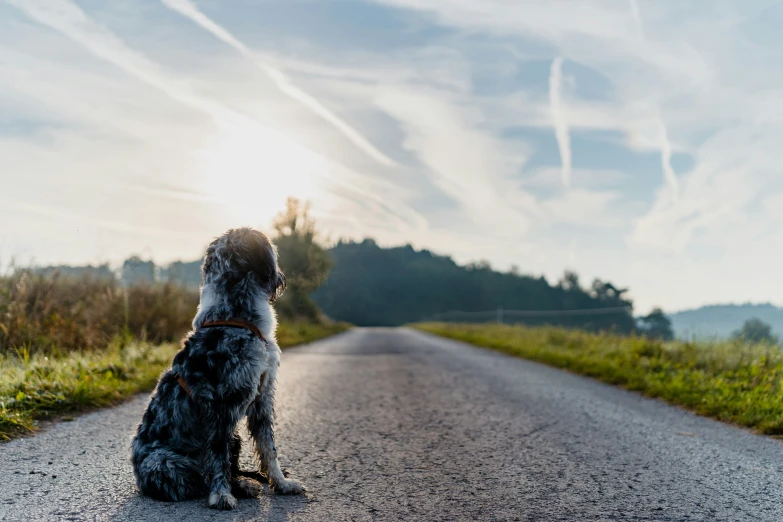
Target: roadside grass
730,381
51,312
41,385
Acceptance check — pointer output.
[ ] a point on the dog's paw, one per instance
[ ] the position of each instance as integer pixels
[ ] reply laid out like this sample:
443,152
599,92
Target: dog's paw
246,488
222,501
288,487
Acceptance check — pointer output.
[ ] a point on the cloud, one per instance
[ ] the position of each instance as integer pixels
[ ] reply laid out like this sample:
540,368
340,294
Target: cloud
666,147
550,178
637,17
458,92
585,208
559,119
666,162
189,10
473,167
67,18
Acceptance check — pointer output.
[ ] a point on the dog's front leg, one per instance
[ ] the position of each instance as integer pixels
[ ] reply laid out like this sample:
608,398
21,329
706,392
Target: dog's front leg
217,461
260,419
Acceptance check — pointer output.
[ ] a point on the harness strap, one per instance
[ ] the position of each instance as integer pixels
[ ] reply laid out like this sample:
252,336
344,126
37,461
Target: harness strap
233,323
182,383
237,323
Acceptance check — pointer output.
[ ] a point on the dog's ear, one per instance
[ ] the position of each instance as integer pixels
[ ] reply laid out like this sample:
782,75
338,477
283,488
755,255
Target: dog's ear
279,288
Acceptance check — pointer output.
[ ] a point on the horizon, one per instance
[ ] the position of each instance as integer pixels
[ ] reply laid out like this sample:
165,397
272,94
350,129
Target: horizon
116,266
634,141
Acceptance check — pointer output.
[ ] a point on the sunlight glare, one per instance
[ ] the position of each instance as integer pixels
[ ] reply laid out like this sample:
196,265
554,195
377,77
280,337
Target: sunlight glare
251,170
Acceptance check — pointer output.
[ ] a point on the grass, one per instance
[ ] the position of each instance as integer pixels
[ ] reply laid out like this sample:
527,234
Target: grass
45,384
730,381
70,344
53,313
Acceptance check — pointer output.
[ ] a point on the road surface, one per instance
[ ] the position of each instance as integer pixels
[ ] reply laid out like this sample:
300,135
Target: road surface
393,424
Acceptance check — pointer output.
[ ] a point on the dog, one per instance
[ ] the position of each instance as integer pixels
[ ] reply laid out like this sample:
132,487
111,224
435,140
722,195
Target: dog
187,443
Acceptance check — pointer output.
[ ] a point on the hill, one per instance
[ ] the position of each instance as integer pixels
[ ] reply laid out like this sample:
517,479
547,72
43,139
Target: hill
374,286
720,321
370,285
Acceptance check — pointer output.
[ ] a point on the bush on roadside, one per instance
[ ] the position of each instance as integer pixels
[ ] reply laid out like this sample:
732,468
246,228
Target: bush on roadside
52,313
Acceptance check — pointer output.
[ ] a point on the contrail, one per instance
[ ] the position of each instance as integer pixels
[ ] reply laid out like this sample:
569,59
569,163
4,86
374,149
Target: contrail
666,161
69,19
189,10
666,147
559,119
637,16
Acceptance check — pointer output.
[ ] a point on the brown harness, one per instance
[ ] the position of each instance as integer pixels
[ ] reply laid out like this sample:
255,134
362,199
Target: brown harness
234,323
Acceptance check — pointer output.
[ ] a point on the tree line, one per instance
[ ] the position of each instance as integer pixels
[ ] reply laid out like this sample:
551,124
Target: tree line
371,285
365,284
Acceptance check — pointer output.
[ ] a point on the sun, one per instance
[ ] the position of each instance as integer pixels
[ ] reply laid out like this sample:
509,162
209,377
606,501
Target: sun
251,170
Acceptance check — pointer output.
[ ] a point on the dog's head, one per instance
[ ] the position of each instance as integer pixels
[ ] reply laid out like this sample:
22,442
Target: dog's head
243,255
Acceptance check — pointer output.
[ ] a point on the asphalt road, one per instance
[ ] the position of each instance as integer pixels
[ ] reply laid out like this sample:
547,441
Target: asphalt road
392,424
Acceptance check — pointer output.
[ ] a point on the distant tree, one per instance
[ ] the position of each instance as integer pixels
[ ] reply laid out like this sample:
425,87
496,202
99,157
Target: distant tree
482,264
302,258
570,281
370,285
135,271
186,274
100,272
755,331
656,325
607,291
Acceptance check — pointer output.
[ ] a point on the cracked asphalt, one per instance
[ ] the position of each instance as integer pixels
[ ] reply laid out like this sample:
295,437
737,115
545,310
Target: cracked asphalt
394,424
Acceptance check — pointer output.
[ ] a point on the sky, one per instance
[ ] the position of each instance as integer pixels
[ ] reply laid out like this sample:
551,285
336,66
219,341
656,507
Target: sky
637,141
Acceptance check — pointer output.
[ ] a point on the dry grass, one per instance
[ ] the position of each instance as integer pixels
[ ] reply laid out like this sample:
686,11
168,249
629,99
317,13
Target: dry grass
68,345
53,314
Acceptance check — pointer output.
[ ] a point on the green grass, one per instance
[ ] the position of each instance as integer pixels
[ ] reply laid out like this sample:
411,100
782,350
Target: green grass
730,381
44,385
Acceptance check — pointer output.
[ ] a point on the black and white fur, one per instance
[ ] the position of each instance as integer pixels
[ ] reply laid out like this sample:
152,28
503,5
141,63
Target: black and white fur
188,446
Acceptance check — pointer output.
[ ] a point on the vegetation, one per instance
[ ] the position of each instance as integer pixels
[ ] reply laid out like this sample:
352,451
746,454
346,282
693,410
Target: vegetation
722,321
370,285
48,313
75,338
731,381
656,325
40,385
303,260
756,331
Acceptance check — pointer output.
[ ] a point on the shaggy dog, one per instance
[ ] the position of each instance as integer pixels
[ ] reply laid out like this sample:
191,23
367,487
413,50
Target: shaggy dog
187,443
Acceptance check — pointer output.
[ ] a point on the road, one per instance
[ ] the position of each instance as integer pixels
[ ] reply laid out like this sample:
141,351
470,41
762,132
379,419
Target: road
393,424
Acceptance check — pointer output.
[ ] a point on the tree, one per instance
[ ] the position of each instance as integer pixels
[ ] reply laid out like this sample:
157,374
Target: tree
183,274
371,285
607,291
570,281
136,271
656,325
755,331
303,260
